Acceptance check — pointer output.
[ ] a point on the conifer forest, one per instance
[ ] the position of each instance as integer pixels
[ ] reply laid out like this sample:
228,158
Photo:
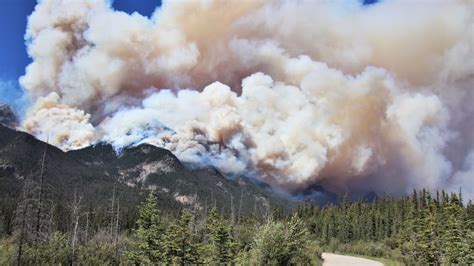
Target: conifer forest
415,230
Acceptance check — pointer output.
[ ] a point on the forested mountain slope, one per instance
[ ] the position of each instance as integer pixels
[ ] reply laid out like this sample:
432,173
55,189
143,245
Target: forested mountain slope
98,176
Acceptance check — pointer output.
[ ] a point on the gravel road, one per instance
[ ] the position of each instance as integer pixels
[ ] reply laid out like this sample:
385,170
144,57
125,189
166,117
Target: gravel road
336,260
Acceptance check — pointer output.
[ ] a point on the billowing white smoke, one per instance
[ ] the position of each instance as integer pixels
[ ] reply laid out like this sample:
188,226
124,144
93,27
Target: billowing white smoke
295,93
59,124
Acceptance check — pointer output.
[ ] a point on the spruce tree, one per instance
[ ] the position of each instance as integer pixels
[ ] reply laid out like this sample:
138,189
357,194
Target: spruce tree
456,246
213,225
149,234
180,242
469,218
429,236
220,243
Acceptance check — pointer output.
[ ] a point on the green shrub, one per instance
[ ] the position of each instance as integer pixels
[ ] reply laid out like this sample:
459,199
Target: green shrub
312,254
7,252
100,250
280,243
96,254
333,245
54,251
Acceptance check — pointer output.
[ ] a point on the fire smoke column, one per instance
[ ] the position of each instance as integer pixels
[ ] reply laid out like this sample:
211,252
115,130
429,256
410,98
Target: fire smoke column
295,93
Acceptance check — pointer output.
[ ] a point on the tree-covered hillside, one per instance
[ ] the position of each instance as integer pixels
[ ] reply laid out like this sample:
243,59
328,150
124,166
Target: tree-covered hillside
143,206
35,173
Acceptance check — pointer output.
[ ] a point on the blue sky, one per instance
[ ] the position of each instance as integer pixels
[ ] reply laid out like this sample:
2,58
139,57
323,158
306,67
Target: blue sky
13,56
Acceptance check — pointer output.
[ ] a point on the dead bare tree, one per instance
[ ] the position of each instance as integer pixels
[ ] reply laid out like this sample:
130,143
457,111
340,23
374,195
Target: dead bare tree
117,230
86,238
40,194
51,216
232,211
112,215
42,217
31,215
75,206
22,211
239,213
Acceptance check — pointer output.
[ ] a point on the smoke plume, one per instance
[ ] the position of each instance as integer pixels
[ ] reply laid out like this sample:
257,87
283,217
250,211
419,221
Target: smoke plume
354,98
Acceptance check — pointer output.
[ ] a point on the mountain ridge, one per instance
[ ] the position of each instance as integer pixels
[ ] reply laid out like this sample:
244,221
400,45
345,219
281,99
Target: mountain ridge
96,173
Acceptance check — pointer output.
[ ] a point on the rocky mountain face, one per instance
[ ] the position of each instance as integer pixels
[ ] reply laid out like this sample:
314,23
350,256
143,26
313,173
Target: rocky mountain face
98,175
7,116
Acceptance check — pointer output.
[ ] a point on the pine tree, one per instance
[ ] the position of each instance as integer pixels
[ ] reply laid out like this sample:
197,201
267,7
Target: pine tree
213,225
470,235
180,243
429,237
406,232
150,234
220,243
456,246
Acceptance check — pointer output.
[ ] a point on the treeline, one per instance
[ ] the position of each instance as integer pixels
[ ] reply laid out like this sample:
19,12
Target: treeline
216,240
420,229
194,236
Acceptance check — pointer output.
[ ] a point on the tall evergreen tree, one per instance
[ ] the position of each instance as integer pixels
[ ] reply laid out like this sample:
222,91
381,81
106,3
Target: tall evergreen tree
220,243
429,236
181,247
149,234
456,246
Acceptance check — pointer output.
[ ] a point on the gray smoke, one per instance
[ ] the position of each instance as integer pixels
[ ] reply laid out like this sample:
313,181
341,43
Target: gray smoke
295,93
8,117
